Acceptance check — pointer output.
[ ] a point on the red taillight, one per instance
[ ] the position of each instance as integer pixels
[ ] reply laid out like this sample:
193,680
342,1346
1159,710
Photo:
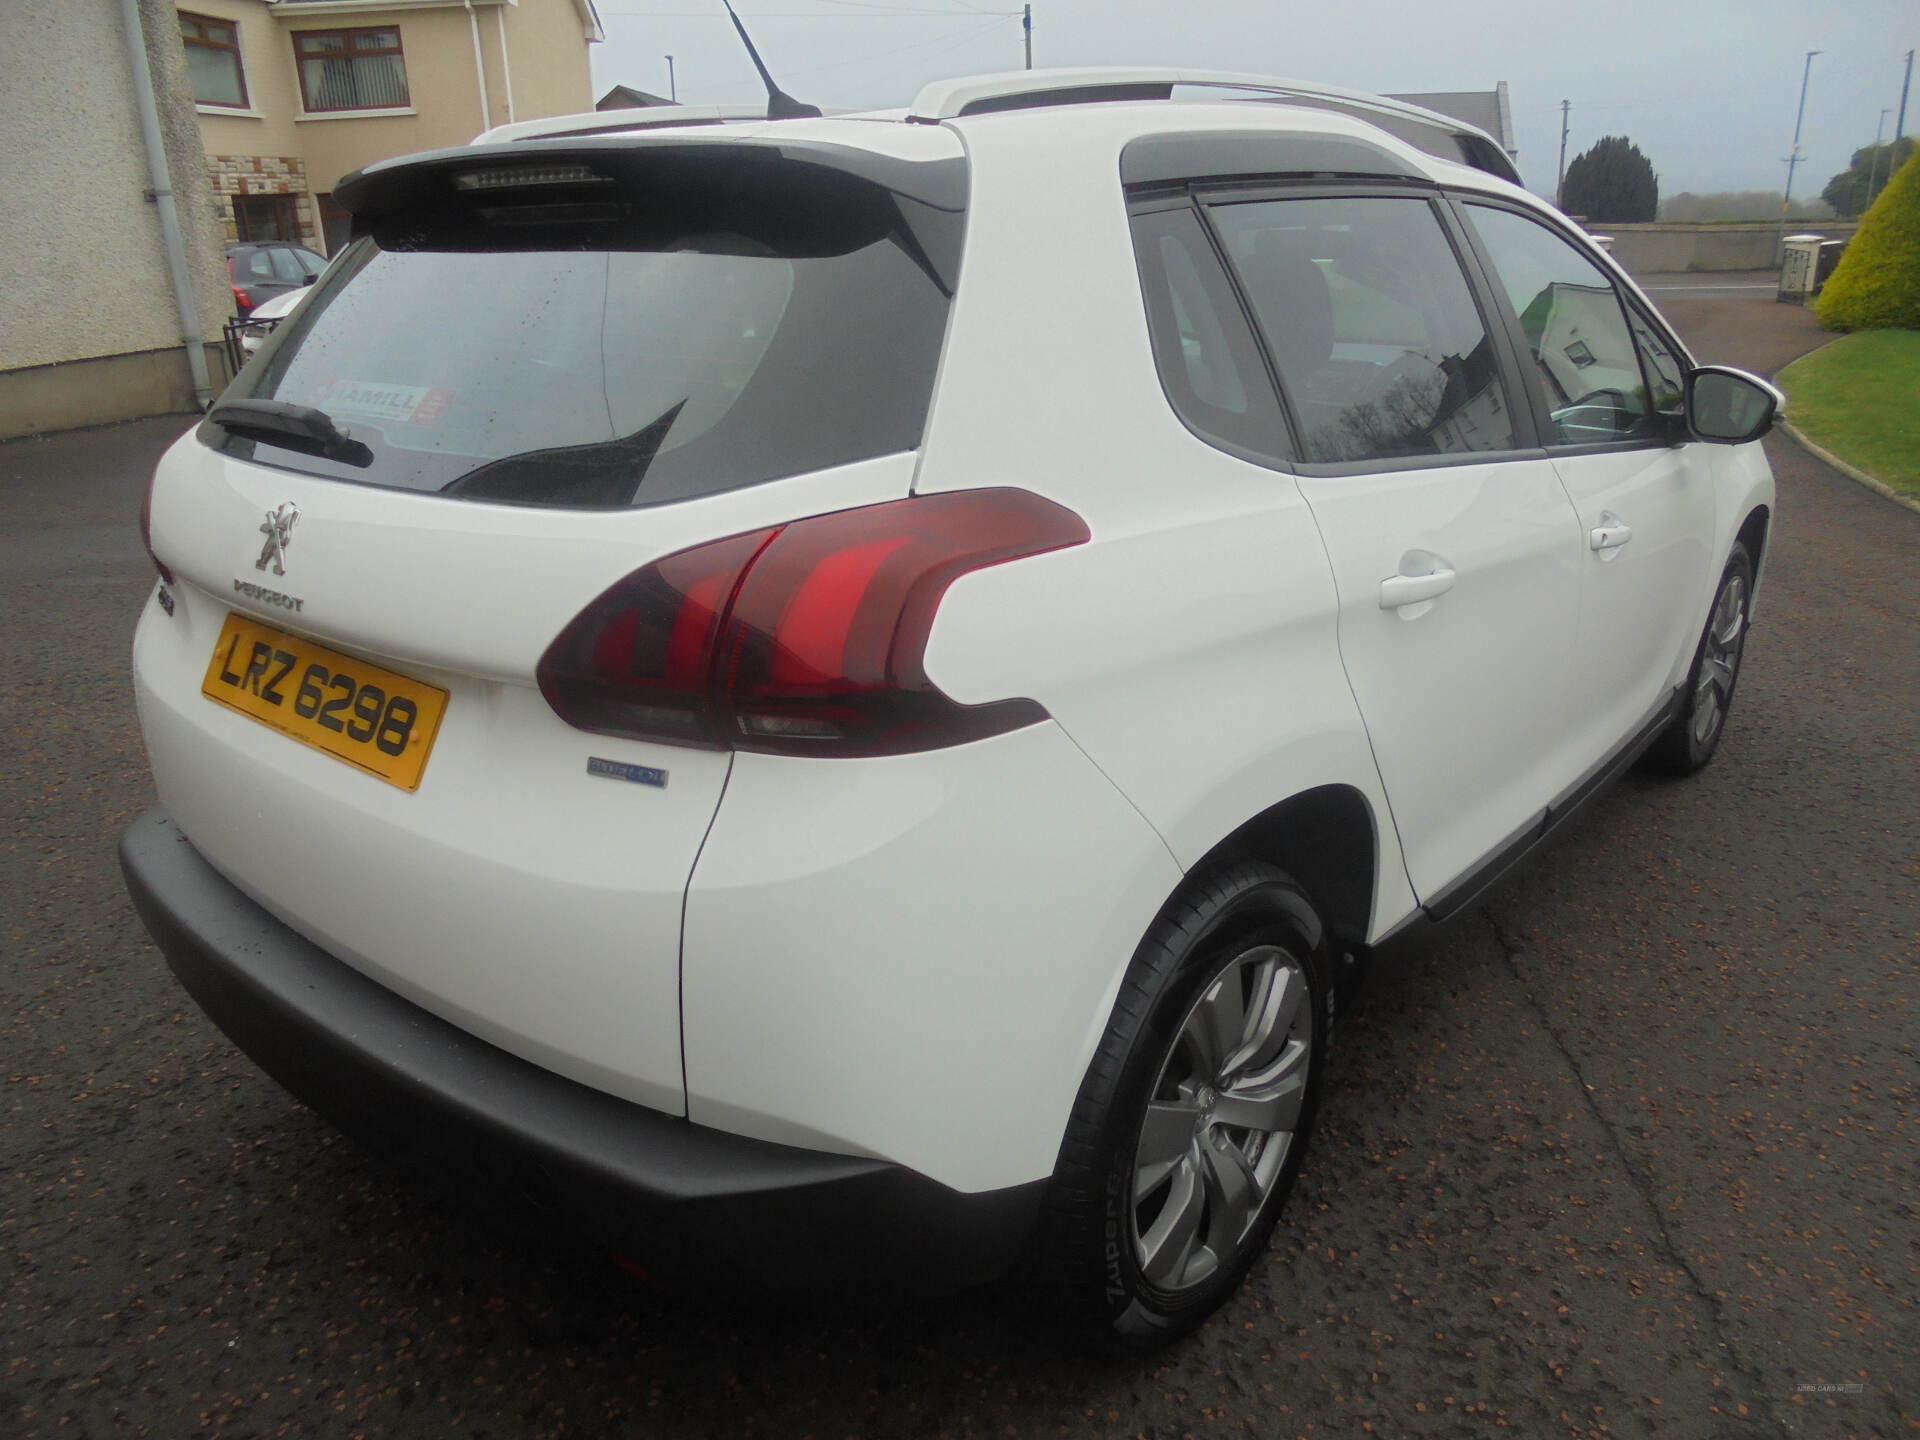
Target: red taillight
242,301
146,532
809,639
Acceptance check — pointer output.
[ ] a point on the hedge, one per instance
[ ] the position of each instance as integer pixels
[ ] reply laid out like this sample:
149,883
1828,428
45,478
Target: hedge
1877,283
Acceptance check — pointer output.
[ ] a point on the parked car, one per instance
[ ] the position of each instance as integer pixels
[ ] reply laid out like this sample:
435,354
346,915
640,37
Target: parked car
262,319
260,269
845,701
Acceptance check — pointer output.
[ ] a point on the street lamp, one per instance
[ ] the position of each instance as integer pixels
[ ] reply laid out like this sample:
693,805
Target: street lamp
1873,168
1799,115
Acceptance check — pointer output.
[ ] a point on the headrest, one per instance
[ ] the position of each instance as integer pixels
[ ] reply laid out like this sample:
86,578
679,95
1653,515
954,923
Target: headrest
1289,294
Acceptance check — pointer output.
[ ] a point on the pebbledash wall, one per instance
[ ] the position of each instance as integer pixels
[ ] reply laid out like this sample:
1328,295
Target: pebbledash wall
89,331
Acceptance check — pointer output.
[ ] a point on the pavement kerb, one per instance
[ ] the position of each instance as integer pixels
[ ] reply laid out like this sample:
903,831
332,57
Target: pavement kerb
1852,472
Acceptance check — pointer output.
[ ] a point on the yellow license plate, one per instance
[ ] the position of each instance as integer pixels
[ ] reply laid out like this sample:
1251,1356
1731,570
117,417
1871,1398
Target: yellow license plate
371,718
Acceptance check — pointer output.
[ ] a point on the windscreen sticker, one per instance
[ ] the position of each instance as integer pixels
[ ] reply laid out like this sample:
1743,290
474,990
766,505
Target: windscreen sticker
404,404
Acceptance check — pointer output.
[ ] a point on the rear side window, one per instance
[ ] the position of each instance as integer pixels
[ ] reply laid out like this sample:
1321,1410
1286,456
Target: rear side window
290,266
1368,316
1209,364
613,349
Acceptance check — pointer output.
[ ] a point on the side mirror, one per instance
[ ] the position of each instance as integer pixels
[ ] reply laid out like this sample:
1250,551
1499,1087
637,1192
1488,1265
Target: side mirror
1726,406
309,280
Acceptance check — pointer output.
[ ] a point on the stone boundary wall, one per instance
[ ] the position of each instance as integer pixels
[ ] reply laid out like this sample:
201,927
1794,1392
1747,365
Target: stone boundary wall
1663,247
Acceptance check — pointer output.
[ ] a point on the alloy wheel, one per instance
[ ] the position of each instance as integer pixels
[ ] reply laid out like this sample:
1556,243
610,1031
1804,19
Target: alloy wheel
1222,1118
1720,660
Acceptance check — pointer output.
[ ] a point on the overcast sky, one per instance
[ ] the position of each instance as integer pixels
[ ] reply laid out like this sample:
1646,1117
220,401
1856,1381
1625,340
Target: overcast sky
1707,88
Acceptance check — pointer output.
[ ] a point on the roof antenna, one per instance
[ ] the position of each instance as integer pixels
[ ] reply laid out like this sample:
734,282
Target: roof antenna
780,105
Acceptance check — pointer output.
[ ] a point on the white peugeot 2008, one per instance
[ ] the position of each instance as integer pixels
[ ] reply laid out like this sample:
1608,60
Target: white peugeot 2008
843,698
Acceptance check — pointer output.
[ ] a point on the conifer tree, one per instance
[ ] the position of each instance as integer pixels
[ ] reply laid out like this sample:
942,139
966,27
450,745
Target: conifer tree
1612,183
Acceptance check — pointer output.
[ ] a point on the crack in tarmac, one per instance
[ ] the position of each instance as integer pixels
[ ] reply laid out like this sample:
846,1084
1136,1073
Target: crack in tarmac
1637,1176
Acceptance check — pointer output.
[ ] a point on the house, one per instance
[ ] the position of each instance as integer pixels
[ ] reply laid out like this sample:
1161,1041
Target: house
625,97
113,259
293,95
1490,110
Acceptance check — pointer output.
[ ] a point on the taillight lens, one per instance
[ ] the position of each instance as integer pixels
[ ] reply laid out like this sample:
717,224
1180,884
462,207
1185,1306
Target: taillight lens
146,532
807,639
242,301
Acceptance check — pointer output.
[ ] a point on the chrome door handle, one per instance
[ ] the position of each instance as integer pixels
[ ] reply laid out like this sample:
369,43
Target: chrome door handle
1611,533
1399,591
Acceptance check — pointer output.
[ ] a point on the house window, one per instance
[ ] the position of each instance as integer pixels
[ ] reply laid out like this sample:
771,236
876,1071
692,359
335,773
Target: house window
266,217
213,60
351,69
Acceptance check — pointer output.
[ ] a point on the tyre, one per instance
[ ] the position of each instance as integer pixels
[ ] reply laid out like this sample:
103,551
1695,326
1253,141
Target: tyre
1691,740
1194,1115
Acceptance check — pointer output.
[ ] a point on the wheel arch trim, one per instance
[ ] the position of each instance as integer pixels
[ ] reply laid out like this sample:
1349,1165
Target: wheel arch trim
1753,533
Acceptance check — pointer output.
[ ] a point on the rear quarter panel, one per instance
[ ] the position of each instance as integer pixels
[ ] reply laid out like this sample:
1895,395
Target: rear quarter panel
1190,650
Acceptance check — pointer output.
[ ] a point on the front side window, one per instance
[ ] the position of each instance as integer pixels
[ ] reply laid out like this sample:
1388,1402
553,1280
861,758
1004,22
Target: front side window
213,60
1369,318
351,69
1584,356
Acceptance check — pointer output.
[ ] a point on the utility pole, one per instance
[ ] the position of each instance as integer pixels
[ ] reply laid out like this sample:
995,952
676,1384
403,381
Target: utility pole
1794,159
1900,125
1560,184
1026,24
673,92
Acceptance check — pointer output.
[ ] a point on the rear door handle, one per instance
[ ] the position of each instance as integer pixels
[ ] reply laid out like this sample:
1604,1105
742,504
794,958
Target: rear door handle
1611,533
1399,591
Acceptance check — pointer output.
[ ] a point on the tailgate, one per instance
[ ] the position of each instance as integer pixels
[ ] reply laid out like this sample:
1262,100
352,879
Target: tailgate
521,891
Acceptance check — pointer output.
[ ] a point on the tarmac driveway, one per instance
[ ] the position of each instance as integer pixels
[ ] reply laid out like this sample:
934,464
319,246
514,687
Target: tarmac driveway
1633,1152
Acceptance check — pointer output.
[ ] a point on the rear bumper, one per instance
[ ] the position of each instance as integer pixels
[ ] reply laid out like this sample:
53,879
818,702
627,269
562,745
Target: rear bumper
685,1199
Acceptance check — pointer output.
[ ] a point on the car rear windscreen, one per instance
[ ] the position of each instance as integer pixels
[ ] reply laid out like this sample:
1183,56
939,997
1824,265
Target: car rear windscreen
619,342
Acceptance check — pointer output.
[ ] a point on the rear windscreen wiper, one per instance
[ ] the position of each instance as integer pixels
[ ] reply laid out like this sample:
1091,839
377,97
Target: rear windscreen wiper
291,427
600,475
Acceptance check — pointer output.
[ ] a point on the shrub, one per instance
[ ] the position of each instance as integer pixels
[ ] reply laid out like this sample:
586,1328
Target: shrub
1877,285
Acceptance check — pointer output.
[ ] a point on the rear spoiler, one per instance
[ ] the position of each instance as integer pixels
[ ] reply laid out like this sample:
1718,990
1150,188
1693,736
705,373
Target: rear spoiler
443,177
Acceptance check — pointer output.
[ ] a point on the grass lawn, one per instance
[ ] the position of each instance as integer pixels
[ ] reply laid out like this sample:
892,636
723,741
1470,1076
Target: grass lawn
1860,398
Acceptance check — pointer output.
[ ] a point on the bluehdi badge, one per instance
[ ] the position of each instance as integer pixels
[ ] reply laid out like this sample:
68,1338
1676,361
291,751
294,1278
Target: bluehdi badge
620,770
